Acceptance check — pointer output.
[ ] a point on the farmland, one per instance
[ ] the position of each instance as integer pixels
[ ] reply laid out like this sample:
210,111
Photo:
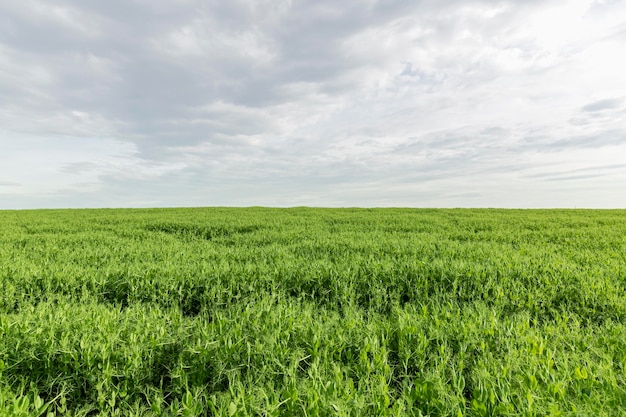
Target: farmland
313,312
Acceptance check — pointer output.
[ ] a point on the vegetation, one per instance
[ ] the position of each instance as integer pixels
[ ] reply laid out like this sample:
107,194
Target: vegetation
313,312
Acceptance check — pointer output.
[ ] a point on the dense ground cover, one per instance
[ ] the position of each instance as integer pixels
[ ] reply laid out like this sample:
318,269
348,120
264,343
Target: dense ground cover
313,312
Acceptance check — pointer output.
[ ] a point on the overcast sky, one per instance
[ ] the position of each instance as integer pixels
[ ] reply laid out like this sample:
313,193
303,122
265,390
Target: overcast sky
442,103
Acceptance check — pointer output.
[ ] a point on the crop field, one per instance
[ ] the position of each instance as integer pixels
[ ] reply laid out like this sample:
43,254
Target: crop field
313,312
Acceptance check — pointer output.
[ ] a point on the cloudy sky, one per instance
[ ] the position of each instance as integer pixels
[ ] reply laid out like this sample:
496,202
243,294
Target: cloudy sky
417,103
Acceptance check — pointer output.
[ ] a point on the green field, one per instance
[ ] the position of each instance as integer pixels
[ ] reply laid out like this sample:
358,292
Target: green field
313,312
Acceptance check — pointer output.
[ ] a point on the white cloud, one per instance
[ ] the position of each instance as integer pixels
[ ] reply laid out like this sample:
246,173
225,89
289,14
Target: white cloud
44,167
61,17
208,40
385,103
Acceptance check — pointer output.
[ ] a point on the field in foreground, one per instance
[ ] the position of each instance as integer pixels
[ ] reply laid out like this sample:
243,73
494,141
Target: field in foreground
313,312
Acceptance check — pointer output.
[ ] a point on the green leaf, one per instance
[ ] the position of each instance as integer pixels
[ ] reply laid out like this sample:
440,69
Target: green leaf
232,409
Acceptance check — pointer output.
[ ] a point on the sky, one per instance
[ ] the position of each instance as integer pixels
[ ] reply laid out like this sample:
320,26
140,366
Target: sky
370,103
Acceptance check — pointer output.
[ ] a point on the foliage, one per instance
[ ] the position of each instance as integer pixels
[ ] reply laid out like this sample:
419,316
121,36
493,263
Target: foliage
312,312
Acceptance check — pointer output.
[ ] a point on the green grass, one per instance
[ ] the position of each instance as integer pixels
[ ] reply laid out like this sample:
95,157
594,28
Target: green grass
313,312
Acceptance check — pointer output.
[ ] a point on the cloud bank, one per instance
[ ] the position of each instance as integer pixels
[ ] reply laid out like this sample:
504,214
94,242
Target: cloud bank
357,103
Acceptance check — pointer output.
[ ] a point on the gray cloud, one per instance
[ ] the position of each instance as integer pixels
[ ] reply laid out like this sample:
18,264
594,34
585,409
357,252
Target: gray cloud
145,68
606,104
575,177
596,170
601,139
225,102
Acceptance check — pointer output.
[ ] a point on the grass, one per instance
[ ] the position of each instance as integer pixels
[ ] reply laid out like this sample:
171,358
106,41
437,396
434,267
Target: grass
313,312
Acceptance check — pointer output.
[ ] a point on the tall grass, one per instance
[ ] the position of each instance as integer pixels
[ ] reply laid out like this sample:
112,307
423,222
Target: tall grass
313,312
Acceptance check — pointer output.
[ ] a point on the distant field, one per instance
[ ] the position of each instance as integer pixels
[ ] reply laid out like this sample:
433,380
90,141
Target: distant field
313,312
